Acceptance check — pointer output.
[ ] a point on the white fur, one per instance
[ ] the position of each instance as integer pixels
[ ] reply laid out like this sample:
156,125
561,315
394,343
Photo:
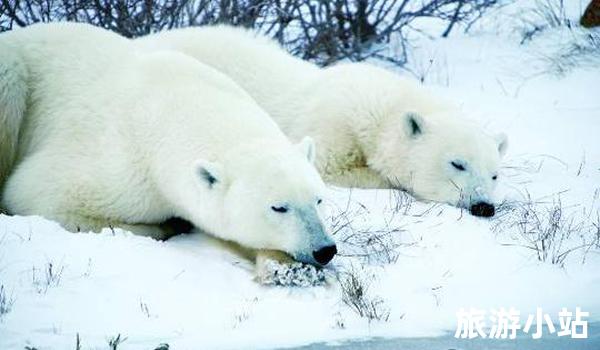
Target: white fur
13,92
116,137
357,115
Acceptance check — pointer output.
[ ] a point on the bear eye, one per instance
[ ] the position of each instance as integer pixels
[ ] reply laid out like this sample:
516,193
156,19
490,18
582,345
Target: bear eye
495,177
319,201
279,209
458,166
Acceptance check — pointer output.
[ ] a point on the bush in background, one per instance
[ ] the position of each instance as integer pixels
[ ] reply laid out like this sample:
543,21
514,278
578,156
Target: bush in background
318,30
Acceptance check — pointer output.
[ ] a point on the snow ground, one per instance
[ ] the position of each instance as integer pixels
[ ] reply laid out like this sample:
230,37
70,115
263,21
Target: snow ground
426,260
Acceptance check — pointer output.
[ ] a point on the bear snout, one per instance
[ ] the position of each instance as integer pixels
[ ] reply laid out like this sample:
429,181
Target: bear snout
325,254
483,209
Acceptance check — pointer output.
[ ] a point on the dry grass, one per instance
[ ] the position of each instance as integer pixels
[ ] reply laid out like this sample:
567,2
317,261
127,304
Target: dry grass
6,302
145,309
545,15
373,245
583,50
572,46
77,342
400,202
549,229
355,295
47,277
114,342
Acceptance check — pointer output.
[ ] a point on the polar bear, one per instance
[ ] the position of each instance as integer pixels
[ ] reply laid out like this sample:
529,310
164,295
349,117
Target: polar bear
373,129
96,134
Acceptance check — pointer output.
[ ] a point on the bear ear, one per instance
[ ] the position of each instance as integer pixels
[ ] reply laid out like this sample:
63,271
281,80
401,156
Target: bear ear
502,142
413,124
210,174
308,148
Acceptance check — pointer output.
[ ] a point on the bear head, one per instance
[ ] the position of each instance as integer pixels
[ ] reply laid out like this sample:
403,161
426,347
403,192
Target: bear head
445,158
413,138
268,196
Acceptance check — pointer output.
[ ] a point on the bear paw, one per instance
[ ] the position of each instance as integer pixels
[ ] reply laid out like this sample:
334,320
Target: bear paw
296,274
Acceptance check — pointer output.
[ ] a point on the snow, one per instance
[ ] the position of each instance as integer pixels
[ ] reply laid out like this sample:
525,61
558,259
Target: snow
426,260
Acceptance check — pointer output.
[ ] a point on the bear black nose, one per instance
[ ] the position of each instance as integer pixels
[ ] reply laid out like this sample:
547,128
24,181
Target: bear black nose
483,209
325,254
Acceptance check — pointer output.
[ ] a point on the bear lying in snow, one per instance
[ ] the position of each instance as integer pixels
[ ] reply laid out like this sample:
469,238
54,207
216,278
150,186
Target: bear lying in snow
373,129
97,134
